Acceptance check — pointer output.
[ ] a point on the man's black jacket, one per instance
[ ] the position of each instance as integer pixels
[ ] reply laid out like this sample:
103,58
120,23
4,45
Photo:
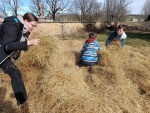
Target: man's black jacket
10,35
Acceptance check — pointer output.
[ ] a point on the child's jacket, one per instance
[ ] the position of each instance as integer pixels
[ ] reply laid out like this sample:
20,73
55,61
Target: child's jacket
89,51
114,35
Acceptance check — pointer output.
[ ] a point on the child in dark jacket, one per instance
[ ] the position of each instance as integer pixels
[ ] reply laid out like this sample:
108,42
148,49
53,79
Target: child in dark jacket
118,34
89,51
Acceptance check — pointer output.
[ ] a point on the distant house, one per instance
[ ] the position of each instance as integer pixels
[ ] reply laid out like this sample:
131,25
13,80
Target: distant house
134,20
135,17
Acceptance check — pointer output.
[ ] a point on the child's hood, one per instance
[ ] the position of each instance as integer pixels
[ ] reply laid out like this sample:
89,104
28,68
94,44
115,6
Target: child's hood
90,40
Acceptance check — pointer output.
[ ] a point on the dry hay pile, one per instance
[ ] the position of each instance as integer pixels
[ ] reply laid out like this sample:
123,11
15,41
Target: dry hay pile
119,83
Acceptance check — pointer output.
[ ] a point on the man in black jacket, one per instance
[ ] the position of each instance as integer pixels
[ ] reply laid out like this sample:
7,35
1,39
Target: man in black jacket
12,41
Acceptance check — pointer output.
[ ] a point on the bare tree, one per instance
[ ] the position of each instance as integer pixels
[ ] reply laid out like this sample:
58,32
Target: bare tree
52,7
97,11
146,14
146,8
37,7
3,8
116,10
74,11
14,6
73,15
83,7
86,8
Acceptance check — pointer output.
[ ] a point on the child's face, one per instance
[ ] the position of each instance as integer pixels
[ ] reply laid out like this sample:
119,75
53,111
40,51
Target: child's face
119,31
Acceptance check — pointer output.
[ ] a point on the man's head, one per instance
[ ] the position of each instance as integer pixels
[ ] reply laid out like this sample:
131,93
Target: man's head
120,30
92,35
31,21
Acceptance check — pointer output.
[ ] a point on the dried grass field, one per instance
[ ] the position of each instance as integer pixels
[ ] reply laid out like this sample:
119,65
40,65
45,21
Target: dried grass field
119,83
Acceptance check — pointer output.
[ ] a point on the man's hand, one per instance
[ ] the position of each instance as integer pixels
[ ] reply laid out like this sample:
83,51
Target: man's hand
33,42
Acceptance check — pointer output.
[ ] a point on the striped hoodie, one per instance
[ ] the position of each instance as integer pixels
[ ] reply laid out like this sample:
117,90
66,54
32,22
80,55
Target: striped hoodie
89,51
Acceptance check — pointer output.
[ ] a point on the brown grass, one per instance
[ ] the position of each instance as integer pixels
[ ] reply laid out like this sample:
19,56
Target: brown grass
119,83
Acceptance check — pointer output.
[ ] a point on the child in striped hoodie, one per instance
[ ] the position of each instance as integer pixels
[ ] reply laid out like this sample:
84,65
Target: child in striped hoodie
89,52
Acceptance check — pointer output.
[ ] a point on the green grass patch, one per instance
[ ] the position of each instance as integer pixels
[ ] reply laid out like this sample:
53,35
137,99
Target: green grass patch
138,39
102,37
134,38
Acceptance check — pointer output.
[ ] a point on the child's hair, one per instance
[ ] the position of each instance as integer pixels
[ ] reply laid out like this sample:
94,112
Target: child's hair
121,26
92,35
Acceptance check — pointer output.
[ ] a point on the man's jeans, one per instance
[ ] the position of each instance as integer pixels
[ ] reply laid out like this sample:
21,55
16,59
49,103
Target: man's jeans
16,80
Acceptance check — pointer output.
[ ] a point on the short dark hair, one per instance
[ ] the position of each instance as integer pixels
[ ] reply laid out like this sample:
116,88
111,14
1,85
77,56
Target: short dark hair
121,27
30,17
92,35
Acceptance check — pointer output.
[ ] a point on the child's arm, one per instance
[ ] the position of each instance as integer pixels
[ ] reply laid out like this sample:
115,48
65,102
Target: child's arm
110,38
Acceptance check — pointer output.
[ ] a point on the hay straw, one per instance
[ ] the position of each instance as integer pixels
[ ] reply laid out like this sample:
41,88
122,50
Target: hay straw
55,86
